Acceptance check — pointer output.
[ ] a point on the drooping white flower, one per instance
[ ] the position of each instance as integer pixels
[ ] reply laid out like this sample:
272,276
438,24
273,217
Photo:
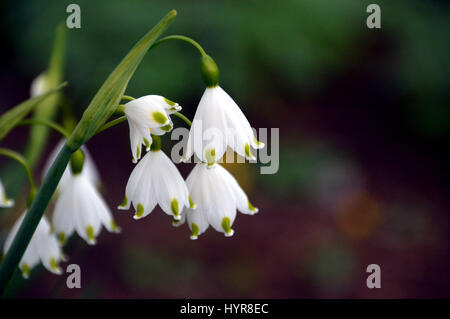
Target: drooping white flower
218,123
4,201
89,168
156,180
42,247
148,114
81,208
39,85
217,195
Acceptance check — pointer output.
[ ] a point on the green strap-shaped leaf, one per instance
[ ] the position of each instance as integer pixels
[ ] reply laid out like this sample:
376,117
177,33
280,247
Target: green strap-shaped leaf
10,119
108,97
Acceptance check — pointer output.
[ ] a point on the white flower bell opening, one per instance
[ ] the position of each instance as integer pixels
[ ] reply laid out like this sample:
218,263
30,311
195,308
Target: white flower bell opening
148,114
43,247
156,180
218,123
80,206
217,195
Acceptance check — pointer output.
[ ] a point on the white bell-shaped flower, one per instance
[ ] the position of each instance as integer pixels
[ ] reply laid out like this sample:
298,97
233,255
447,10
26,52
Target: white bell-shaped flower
217,195
89,168
218,123
156,180
42,247
4,201
148,114
80,206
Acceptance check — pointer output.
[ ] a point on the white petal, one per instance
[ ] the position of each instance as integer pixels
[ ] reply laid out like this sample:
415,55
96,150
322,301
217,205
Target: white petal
86,218
89,169
63,215
47,247
146,112
139,190
214,198
242,202
170,189
31,257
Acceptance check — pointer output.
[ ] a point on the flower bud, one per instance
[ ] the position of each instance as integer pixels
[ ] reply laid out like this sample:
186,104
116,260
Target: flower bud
209,71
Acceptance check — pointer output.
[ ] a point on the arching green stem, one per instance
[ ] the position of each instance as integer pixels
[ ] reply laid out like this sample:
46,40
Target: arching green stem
58,128
181,38
184,118
112,123
19,158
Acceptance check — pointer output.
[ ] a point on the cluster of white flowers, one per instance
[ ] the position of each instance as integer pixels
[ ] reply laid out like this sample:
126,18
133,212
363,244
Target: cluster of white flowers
78,207
210,195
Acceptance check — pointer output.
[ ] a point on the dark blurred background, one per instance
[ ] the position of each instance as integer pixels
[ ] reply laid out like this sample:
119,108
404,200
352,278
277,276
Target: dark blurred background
364,123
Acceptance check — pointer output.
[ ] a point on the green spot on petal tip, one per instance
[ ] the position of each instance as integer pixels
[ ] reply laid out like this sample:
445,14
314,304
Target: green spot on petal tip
248,153
210,156
171,103
26,270
114,226
251,207
226,226
124,202
90,234
174,207
195,231
62,238
147,143
167,128
54,264
159,117
138,152
191,203
140,210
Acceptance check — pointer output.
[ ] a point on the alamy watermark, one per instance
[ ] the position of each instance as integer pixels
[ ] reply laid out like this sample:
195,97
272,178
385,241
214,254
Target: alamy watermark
269,155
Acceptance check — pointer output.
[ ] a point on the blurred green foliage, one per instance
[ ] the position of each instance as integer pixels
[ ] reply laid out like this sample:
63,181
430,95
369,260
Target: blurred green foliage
262,47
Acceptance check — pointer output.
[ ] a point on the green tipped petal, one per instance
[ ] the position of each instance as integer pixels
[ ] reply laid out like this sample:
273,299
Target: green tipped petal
258,143
90,234
195,231
124,202
138,151
26,270
174,207
147,143
248,153
251,207
140,210
171,103
226,226
54,264
159,117
114,226
62,238
210,156
191,203
166,128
